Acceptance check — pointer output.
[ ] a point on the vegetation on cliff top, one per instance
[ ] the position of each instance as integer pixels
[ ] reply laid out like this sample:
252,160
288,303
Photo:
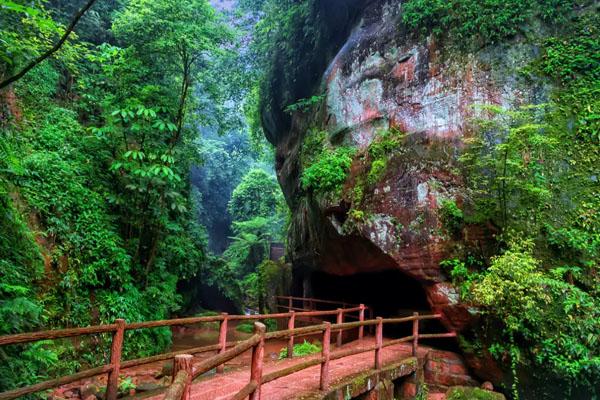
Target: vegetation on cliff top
532,172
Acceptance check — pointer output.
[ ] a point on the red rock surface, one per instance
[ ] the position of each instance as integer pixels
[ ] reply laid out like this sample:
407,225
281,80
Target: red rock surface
384,78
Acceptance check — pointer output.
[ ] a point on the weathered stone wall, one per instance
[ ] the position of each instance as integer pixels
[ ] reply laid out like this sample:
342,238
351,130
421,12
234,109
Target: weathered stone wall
384,78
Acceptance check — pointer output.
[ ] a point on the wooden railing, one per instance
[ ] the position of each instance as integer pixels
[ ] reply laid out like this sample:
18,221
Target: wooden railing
119,328
183,373
256,342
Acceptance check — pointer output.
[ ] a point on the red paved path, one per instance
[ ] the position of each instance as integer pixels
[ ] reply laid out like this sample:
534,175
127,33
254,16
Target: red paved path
222,387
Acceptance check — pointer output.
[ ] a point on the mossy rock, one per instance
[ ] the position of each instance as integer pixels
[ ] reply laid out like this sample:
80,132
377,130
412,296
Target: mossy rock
472,393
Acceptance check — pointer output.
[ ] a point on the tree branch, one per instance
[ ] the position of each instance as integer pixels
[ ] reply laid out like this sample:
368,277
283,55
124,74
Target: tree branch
51,51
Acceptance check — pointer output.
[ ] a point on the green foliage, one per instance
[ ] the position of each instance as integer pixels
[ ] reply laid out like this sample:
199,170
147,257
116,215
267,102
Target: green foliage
187,29
312,146
546,321
378,168
422,391
574,62
302,349
473,22
519,170
27,29
248,327
245,327
385,144
126,384
557,319
533,173
257,209
305,104
452,216
472,393
257,195
329,172
98,221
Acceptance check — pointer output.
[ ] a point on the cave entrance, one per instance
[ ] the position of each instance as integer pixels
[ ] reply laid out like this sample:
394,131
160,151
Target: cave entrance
389,293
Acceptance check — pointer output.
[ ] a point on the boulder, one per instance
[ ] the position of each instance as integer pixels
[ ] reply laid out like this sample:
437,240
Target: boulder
147,387
89,389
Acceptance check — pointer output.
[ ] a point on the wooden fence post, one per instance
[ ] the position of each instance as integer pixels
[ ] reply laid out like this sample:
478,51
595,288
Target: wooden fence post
184,362
324,385
378,342
112,386
361,318
340,320
415,333
258,353
290,304
290,346
222,340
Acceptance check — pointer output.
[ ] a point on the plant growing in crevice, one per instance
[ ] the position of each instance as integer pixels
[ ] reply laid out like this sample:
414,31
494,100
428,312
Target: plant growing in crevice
329,172
452,216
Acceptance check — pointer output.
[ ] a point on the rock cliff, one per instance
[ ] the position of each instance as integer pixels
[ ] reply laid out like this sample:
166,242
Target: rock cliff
383,78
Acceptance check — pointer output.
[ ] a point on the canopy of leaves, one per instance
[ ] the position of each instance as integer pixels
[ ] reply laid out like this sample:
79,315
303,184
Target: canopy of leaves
257,195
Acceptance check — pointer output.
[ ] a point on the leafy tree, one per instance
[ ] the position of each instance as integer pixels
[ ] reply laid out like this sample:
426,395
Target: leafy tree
555,319
94,184
257,195
225,160
46,27
189,33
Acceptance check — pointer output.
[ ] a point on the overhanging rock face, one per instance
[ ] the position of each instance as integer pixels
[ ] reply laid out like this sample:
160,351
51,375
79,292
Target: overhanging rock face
383,78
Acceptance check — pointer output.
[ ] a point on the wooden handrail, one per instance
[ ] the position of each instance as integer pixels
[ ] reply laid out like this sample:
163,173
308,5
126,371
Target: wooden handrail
57,334
246,391
228,355
65,380
177,389
224,355
91,330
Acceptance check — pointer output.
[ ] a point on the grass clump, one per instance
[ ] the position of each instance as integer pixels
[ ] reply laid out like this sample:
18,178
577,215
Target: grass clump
303,349
329,172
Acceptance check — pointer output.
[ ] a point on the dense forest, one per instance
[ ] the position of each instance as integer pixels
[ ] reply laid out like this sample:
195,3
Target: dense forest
151,151
123,157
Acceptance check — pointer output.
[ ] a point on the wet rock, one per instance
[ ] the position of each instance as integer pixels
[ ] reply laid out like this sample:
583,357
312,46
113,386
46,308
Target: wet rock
148,386
166,370
447,369
89,389
72,393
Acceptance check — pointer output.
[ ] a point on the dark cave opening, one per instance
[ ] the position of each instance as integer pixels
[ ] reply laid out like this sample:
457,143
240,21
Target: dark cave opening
388,293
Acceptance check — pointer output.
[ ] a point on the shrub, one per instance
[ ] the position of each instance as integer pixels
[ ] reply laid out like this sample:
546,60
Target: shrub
245,327
452,216
479,21
329,172
534,306
303,349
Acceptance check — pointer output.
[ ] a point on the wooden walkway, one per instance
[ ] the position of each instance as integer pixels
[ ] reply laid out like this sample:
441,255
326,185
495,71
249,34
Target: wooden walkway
304,383
263,379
